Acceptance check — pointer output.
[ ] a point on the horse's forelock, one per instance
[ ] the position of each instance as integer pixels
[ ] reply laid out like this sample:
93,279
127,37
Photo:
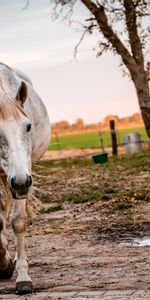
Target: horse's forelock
10,109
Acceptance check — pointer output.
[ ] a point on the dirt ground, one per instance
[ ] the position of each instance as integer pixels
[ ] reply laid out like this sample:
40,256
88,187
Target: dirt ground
88,211
76,153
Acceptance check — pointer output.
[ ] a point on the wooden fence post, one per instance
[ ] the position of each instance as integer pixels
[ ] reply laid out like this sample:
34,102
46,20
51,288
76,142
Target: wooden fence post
113,137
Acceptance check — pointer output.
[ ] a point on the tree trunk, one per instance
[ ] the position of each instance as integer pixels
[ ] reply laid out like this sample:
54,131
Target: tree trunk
144,103
143,94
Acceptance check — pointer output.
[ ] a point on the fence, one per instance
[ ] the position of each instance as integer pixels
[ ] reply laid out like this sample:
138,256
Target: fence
96,139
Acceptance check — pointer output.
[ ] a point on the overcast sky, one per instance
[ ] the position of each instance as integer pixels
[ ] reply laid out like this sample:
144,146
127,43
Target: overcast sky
90,88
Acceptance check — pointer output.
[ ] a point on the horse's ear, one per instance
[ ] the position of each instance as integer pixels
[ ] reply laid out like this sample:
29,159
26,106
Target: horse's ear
22,93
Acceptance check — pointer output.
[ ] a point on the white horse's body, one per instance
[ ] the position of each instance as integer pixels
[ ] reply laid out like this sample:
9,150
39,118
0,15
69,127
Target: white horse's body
24,137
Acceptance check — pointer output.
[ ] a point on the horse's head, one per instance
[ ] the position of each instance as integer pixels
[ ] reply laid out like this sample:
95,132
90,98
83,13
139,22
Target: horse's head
15,142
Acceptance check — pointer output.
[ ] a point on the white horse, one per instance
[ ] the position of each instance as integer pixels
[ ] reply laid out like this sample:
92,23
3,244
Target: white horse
24,137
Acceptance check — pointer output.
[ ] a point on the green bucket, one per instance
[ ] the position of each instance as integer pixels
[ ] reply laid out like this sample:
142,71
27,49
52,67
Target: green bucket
100,158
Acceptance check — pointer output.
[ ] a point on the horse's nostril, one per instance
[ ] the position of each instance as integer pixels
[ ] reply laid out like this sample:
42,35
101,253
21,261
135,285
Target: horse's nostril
13,183
29,181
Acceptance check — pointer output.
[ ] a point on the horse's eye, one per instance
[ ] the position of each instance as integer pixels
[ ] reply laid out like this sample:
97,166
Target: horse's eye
28,127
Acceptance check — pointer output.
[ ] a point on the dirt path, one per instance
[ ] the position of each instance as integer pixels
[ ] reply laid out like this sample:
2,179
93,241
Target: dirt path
67,253
75,244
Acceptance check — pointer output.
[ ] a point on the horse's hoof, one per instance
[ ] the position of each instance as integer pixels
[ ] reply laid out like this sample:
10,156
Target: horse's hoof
8,272
24,287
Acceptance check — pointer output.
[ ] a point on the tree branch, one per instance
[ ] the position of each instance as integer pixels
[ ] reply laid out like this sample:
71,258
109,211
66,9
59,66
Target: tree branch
101,18
87,29
26,4
131,23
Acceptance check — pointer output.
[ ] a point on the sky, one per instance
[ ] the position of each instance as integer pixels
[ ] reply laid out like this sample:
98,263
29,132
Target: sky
89,88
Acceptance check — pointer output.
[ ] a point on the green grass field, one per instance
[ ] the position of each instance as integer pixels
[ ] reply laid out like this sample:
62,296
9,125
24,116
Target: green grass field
92,139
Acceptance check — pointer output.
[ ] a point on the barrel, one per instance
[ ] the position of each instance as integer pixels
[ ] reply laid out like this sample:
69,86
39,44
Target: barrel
132,142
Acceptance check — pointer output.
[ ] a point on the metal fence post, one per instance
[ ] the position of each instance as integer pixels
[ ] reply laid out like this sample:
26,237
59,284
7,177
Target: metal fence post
57,141
101,141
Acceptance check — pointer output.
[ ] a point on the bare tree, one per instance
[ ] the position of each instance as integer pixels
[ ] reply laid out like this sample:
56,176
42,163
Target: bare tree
123,27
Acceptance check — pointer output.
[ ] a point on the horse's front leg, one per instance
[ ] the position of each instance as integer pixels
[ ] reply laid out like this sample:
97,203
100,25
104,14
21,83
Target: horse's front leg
6,264
23,282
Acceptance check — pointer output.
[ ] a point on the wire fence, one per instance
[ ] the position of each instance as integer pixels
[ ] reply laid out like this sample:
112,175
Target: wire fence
96,139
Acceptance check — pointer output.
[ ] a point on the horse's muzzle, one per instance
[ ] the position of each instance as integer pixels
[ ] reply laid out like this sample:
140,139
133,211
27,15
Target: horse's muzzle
20,188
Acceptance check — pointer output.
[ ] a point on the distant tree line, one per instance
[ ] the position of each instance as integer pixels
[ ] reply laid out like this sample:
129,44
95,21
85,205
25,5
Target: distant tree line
65,127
